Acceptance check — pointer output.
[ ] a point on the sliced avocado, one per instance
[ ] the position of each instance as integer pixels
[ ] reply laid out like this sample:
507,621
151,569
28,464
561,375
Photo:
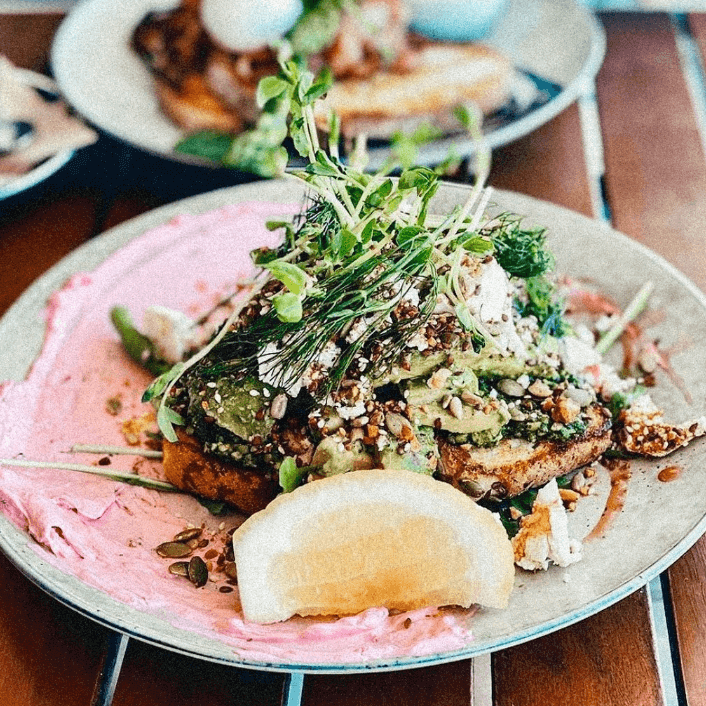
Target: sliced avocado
332,458
421,392
240,406
419,365
421,457
425,398
486,361
472,420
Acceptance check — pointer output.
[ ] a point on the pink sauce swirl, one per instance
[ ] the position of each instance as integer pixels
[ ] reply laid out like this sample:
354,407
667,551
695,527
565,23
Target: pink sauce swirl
105,532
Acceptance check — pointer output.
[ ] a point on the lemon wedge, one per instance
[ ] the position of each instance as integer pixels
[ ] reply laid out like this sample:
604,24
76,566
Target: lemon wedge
370,538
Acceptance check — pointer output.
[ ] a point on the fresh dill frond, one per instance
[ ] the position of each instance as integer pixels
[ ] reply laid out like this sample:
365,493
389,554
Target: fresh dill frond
520,251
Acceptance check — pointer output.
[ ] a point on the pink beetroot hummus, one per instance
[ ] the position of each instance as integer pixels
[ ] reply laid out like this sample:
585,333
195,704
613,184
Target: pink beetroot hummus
84,389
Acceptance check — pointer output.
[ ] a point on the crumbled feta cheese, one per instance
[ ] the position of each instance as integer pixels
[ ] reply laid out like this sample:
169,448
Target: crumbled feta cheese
418,340
328,355
544,533
357,329
356,410
170,331
577,354
492,296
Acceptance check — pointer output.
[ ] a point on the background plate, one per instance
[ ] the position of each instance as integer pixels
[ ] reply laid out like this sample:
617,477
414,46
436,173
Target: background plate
557,40
659,523
46,167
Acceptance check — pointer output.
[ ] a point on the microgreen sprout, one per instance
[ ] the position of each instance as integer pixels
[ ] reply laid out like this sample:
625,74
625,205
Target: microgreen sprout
363,244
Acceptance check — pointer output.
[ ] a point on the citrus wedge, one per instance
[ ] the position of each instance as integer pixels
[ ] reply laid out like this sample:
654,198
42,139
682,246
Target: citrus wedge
371,538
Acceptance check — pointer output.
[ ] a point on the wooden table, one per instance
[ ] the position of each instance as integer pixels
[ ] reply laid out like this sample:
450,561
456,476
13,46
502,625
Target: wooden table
634,153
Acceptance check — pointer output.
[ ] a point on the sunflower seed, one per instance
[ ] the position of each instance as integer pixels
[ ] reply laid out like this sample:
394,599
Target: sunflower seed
456,408
278,408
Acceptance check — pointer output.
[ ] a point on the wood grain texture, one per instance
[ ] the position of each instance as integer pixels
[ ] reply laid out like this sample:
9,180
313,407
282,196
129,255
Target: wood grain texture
49,655
41,237
656,184
655,168
605,660
687,588
26,40
548,164
443,685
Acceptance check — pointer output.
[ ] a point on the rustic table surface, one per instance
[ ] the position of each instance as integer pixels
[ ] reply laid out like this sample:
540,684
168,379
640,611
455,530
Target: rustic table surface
632,152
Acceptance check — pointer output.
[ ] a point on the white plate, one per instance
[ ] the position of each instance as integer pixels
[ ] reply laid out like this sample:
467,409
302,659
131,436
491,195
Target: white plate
48,166
557,40
659,523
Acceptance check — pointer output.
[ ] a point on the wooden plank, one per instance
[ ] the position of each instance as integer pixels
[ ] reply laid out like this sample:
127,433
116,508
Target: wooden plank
547,164
26,41
443,685
607,659
657,188
49,655
155,677
655,168
687,589
602,660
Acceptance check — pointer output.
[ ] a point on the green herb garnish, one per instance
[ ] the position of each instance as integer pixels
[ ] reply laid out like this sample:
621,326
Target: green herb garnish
365,242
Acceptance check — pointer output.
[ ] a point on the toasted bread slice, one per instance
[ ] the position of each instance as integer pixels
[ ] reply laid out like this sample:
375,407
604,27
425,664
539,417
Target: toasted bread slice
189,468
515,465
440,78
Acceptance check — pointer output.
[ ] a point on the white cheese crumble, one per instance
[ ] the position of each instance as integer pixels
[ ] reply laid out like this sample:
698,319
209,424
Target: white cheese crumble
577,354
170,331
544,534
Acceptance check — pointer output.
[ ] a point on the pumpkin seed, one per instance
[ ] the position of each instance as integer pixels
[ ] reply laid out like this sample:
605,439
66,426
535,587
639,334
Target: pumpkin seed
173,550
472,488
583,398
198,573
395,423
188,534
231,571
179,568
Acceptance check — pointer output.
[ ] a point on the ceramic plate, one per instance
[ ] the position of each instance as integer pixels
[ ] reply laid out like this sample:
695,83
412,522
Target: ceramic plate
557,41
47,167
660,521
